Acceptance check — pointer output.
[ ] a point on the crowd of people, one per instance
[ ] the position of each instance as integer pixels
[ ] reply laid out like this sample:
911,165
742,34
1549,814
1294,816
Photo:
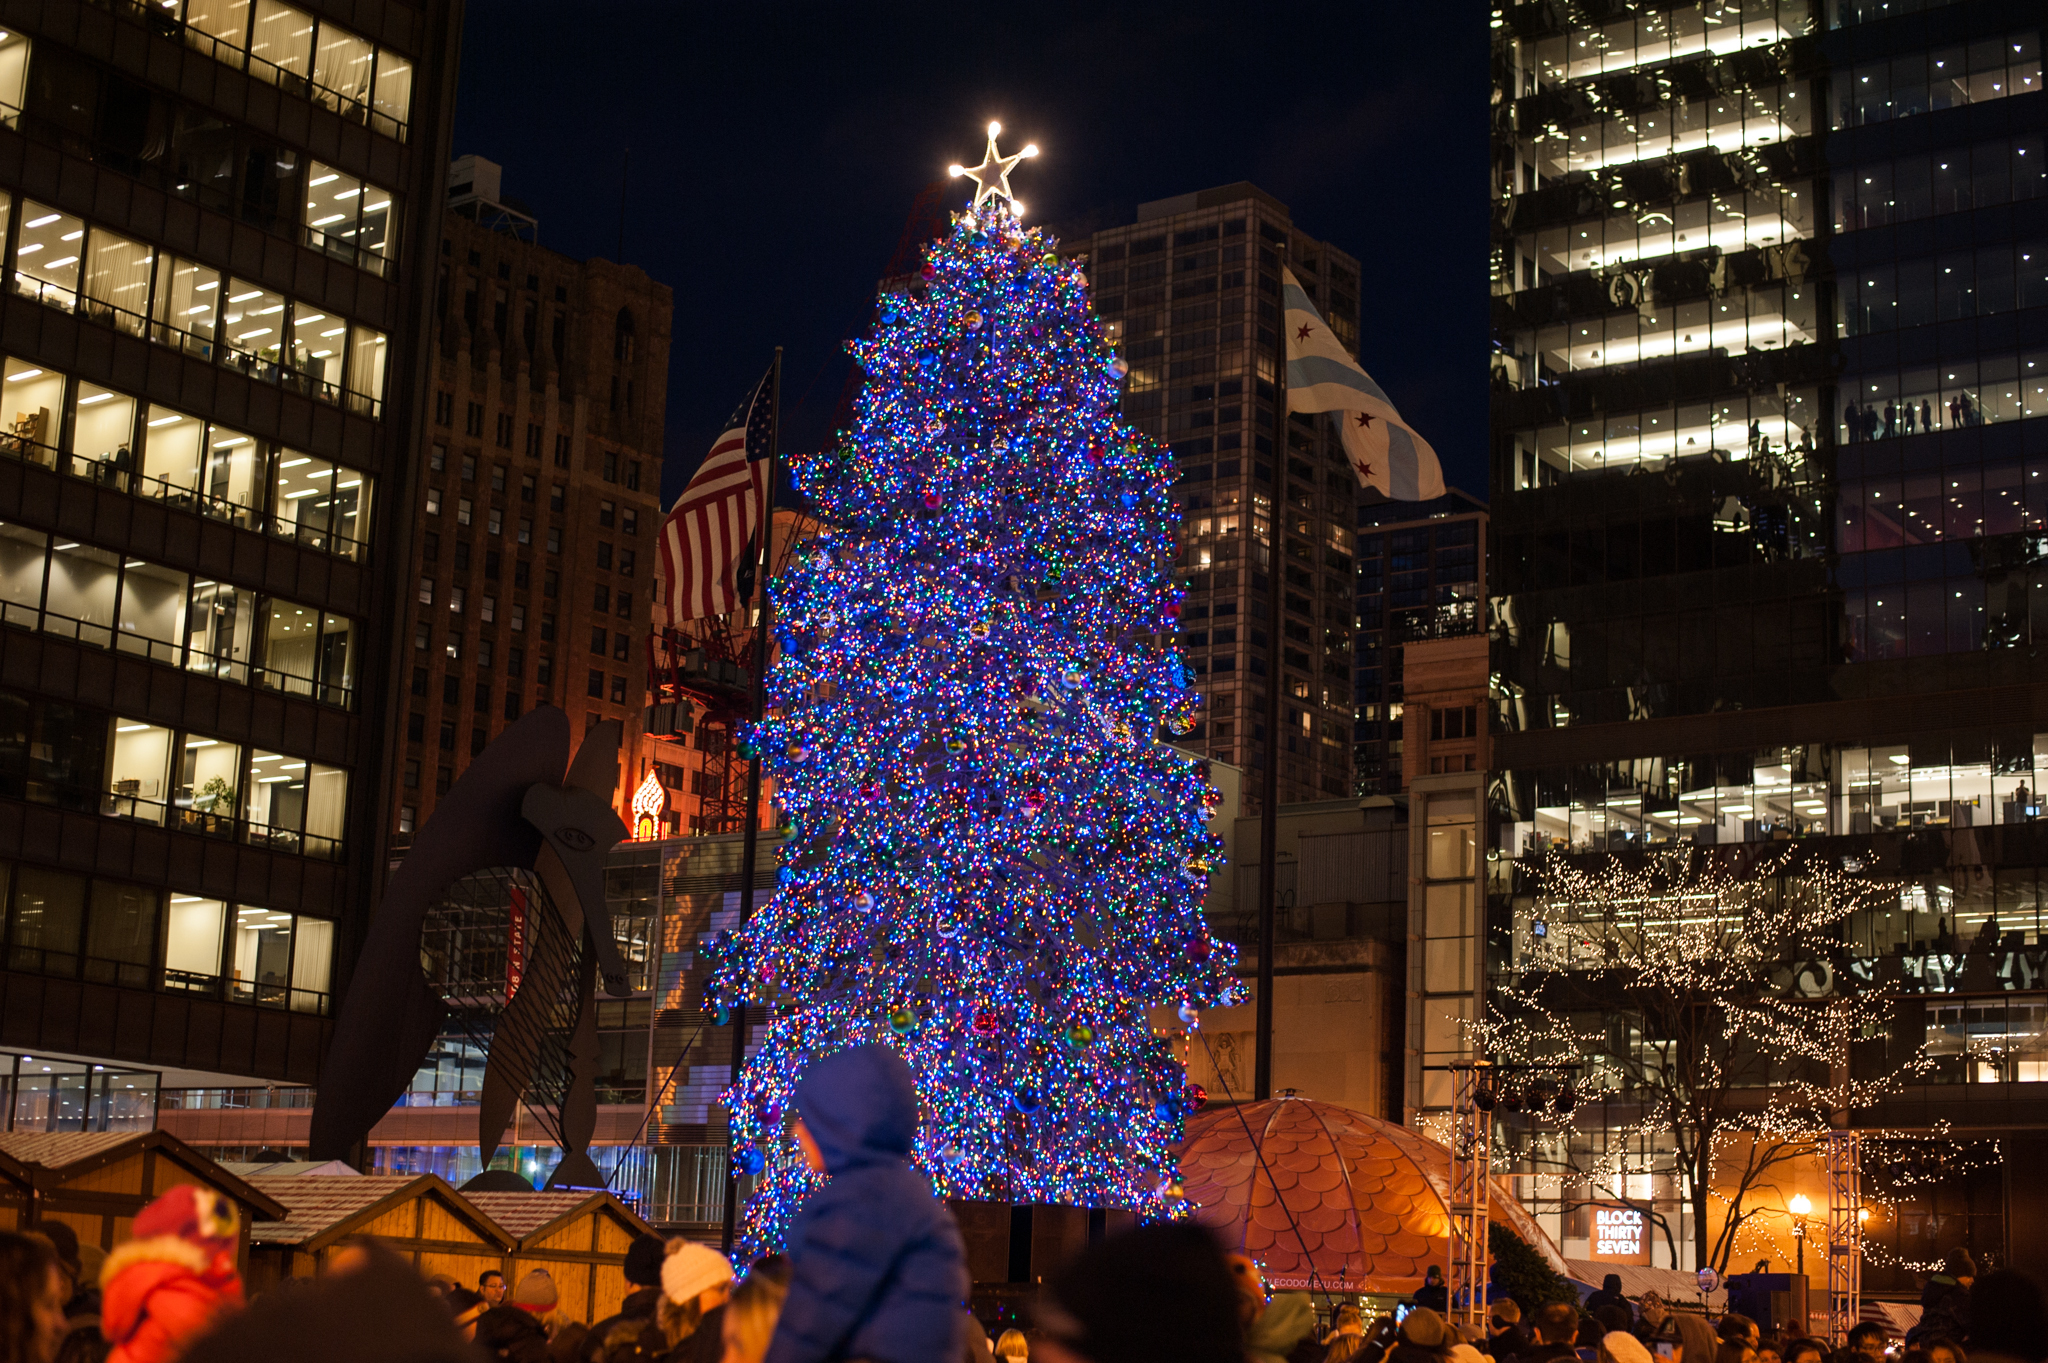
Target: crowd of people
875,1271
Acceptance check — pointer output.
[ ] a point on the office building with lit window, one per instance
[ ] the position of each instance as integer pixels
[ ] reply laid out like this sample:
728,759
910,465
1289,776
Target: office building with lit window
1189,294
219,228
1421,575
1770,477
539,506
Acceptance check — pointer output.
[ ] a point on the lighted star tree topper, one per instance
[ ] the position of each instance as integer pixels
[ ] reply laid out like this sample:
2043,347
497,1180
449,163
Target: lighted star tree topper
993,865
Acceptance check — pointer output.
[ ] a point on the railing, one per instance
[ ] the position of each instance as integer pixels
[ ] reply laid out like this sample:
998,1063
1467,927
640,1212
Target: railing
106,469
441,1098
78,1101
181,815
341,248
258,367
48,294
353,107
235,1099
102,634
72,965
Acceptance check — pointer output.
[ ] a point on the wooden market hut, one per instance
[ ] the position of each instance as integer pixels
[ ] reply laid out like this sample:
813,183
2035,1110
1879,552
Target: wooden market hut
579,1236
419,1217
96,1181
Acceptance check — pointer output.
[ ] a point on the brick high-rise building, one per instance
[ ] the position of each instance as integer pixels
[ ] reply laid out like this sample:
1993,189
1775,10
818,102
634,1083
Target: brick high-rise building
533,572
219,228
1189,294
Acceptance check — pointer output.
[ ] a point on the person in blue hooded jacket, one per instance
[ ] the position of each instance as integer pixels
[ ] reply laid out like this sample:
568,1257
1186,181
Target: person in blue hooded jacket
877,1269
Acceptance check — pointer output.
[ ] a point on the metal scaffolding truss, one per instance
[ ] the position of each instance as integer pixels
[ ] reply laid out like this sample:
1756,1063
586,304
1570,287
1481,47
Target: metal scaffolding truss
1471,1164
1844,1157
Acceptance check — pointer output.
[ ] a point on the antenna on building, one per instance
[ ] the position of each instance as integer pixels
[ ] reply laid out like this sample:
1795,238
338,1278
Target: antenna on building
624,169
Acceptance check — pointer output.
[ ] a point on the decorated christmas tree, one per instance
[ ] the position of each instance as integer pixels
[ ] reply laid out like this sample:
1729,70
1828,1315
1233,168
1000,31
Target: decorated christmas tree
993,864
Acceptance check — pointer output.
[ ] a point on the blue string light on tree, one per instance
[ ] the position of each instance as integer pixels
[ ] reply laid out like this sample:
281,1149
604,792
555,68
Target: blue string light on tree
994,867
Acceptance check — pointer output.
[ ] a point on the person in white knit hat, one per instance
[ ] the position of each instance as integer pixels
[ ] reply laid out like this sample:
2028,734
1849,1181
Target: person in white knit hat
696,1281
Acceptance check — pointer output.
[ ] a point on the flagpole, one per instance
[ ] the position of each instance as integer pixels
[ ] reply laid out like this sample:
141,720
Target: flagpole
1276,676
751,835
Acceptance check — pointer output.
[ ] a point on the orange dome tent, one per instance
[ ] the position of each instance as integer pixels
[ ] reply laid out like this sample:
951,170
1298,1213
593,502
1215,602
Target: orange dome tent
1371,1198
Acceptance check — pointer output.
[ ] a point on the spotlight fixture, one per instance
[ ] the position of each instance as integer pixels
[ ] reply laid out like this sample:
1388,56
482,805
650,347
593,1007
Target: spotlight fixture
1511,1099
1482,1098
1567,1099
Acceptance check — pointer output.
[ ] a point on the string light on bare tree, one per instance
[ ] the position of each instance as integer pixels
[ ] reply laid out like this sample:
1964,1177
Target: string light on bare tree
1720,1024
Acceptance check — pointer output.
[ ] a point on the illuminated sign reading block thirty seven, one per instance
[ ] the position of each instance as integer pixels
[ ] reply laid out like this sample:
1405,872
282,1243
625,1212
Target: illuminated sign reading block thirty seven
1620,1236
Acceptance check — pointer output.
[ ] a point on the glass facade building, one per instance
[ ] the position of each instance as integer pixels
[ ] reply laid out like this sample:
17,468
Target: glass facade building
1189,294
1770,491
216,249
1421,575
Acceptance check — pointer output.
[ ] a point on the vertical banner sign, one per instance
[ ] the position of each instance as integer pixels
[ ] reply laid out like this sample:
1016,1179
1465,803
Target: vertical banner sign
1621,1235
515,944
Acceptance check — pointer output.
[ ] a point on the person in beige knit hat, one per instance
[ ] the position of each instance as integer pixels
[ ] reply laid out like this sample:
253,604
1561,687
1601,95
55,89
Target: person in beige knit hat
696,1281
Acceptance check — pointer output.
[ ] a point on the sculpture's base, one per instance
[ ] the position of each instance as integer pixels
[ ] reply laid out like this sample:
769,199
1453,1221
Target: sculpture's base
496,1181
1012,1249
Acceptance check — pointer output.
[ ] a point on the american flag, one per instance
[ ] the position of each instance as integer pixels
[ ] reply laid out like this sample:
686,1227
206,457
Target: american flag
708,537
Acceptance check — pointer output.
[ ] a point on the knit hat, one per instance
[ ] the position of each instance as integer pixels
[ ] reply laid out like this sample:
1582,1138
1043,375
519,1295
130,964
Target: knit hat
535,1293
1423,1327
1465,1353
1157,1294
1623,1347
1959,1264
643,1261
690,1268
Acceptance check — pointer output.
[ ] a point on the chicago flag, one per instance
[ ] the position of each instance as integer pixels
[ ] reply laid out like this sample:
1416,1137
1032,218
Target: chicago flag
1385,452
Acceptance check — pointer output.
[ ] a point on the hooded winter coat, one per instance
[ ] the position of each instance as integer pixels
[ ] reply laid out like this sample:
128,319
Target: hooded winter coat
877,1268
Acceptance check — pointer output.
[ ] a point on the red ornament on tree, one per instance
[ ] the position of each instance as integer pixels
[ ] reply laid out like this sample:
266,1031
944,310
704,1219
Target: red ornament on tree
1198,1097
931,501
985,1023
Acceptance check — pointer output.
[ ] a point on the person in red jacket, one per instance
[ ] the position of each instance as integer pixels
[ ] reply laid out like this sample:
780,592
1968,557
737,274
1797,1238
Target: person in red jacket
173,1280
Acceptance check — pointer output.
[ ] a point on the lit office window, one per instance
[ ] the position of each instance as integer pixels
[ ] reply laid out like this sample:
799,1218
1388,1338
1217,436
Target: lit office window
253,320
193,943
46,259
260,953
154,602
286,47
316,502
342,70
221,26
31,399
209,772
117,276
1946,77
281,40
366,358
393,104
187,310
101,444
79,599
221,626
13,75
139,775
348,217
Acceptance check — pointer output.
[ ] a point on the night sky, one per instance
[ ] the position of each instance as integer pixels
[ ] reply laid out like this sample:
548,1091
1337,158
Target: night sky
776,152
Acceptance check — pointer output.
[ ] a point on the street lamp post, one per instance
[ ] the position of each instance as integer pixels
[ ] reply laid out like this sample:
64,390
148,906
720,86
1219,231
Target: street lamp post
1801,1207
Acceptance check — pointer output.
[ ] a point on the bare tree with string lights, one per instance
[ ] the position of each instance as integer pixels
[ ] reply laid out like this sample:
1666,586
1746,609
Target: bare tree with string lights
1707,999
